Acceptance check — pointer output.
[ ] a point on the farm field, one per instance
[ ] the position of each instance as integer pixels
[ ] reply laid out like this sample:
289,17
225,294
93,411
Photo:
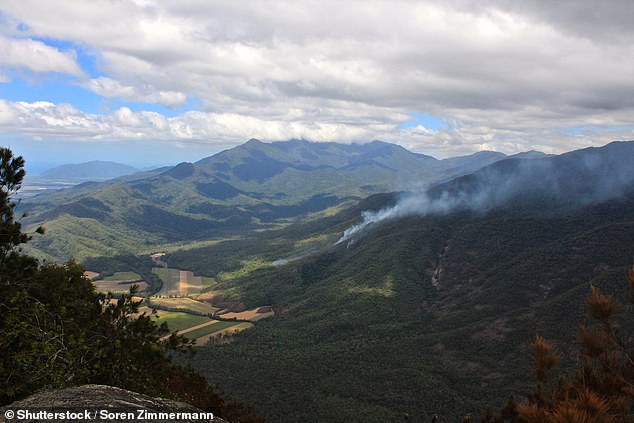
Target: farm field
136,299
182,304
91,275
148,310
209,329
181,283
178,321
199,328
177,304
226,333
117,283
118,286
250,315
123,276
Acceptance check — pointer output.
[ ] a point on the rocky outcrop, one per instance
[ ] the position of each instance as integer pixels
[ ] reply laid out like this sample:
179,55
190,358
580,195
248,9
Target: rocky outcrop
437,273
100,403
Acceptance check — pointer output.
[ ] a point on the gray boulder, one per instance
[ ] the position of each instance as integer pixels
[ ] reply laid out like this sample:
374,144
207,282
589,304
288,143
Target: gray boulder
100,403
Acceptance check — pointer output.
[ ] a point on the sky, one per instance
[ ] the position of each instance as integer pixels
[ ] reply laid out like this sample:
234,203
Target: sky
149,83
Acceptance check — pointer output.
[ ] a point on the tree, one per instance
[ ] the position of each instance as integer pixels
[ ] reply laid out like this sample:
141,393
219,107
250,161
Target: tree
11,174
602,391
11,236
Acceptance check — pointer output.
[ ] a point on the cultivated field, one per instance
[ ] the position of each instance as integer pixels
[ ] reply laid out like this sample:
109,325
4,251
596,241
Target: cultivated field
136,299
181,283
182,304
250,315
118,286
208,329
223,336
200,328
118,283
175,304
91,275
123,276
178,321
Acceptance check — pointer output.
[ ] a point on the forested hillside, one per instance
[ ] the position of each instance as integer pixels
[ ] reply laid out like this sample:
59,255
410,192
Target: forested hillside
253,186
422,315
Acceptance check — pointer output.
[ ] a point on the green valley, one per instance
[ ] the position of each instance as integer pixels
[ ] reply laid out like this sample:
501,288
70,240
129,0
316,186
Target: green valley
255,186
408,303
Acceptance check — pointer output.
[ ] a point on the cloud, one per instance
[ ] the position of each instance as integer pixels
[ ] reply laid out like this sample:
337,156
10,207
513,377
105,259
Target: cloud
64,121
502,74
338,122
108,87
36,56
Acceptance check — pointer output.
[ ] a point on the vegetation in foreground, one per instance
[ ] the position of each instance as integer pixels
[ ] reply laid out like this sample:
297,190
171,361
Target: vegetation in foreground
58,332
603,388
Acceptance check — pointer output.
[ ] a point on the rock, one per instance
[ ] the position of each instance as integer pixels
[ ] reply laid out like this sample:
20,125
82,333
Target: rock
95,403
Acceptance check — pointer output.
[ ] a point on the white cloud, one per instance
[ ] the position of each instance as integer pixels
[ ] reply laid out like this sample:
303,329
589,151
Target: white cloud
108,87
36,56
64,122
506,75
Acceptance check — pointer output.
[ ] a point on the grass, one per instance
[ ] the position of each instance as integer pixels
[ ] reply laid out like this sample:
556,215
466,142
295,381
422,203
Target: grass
177,320
184,304
247,267
387,290
123,276
181,282
238,327
117,287
207,282
208,330
317,239
170,279
170,247
248,315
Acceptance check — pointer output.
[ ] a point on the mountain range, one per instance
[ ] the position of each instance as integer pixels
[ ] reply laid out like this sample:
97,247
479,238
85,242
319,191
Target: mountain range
430,312
253,186
430,304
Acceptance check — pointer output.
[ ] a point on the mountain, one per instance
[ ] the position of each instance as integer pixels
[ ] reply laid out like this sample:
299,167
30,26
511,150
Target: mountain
304,169
427,312
253,186
90,171
427,308
579,177
532,154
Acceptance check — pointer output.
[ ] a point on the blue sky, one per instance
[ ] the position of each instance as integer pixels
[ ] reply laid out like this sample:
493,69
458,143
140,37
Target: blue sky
154,83
425,120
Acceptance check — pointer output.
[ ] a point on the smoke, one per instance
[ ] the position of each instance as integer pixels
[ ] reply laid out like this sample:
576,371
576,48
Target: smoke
571,180
412,204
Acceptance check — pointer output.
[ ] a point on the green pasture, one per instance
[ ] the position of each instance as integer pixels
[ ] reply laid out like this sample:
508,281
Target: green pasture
122,276
177,320
207,330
